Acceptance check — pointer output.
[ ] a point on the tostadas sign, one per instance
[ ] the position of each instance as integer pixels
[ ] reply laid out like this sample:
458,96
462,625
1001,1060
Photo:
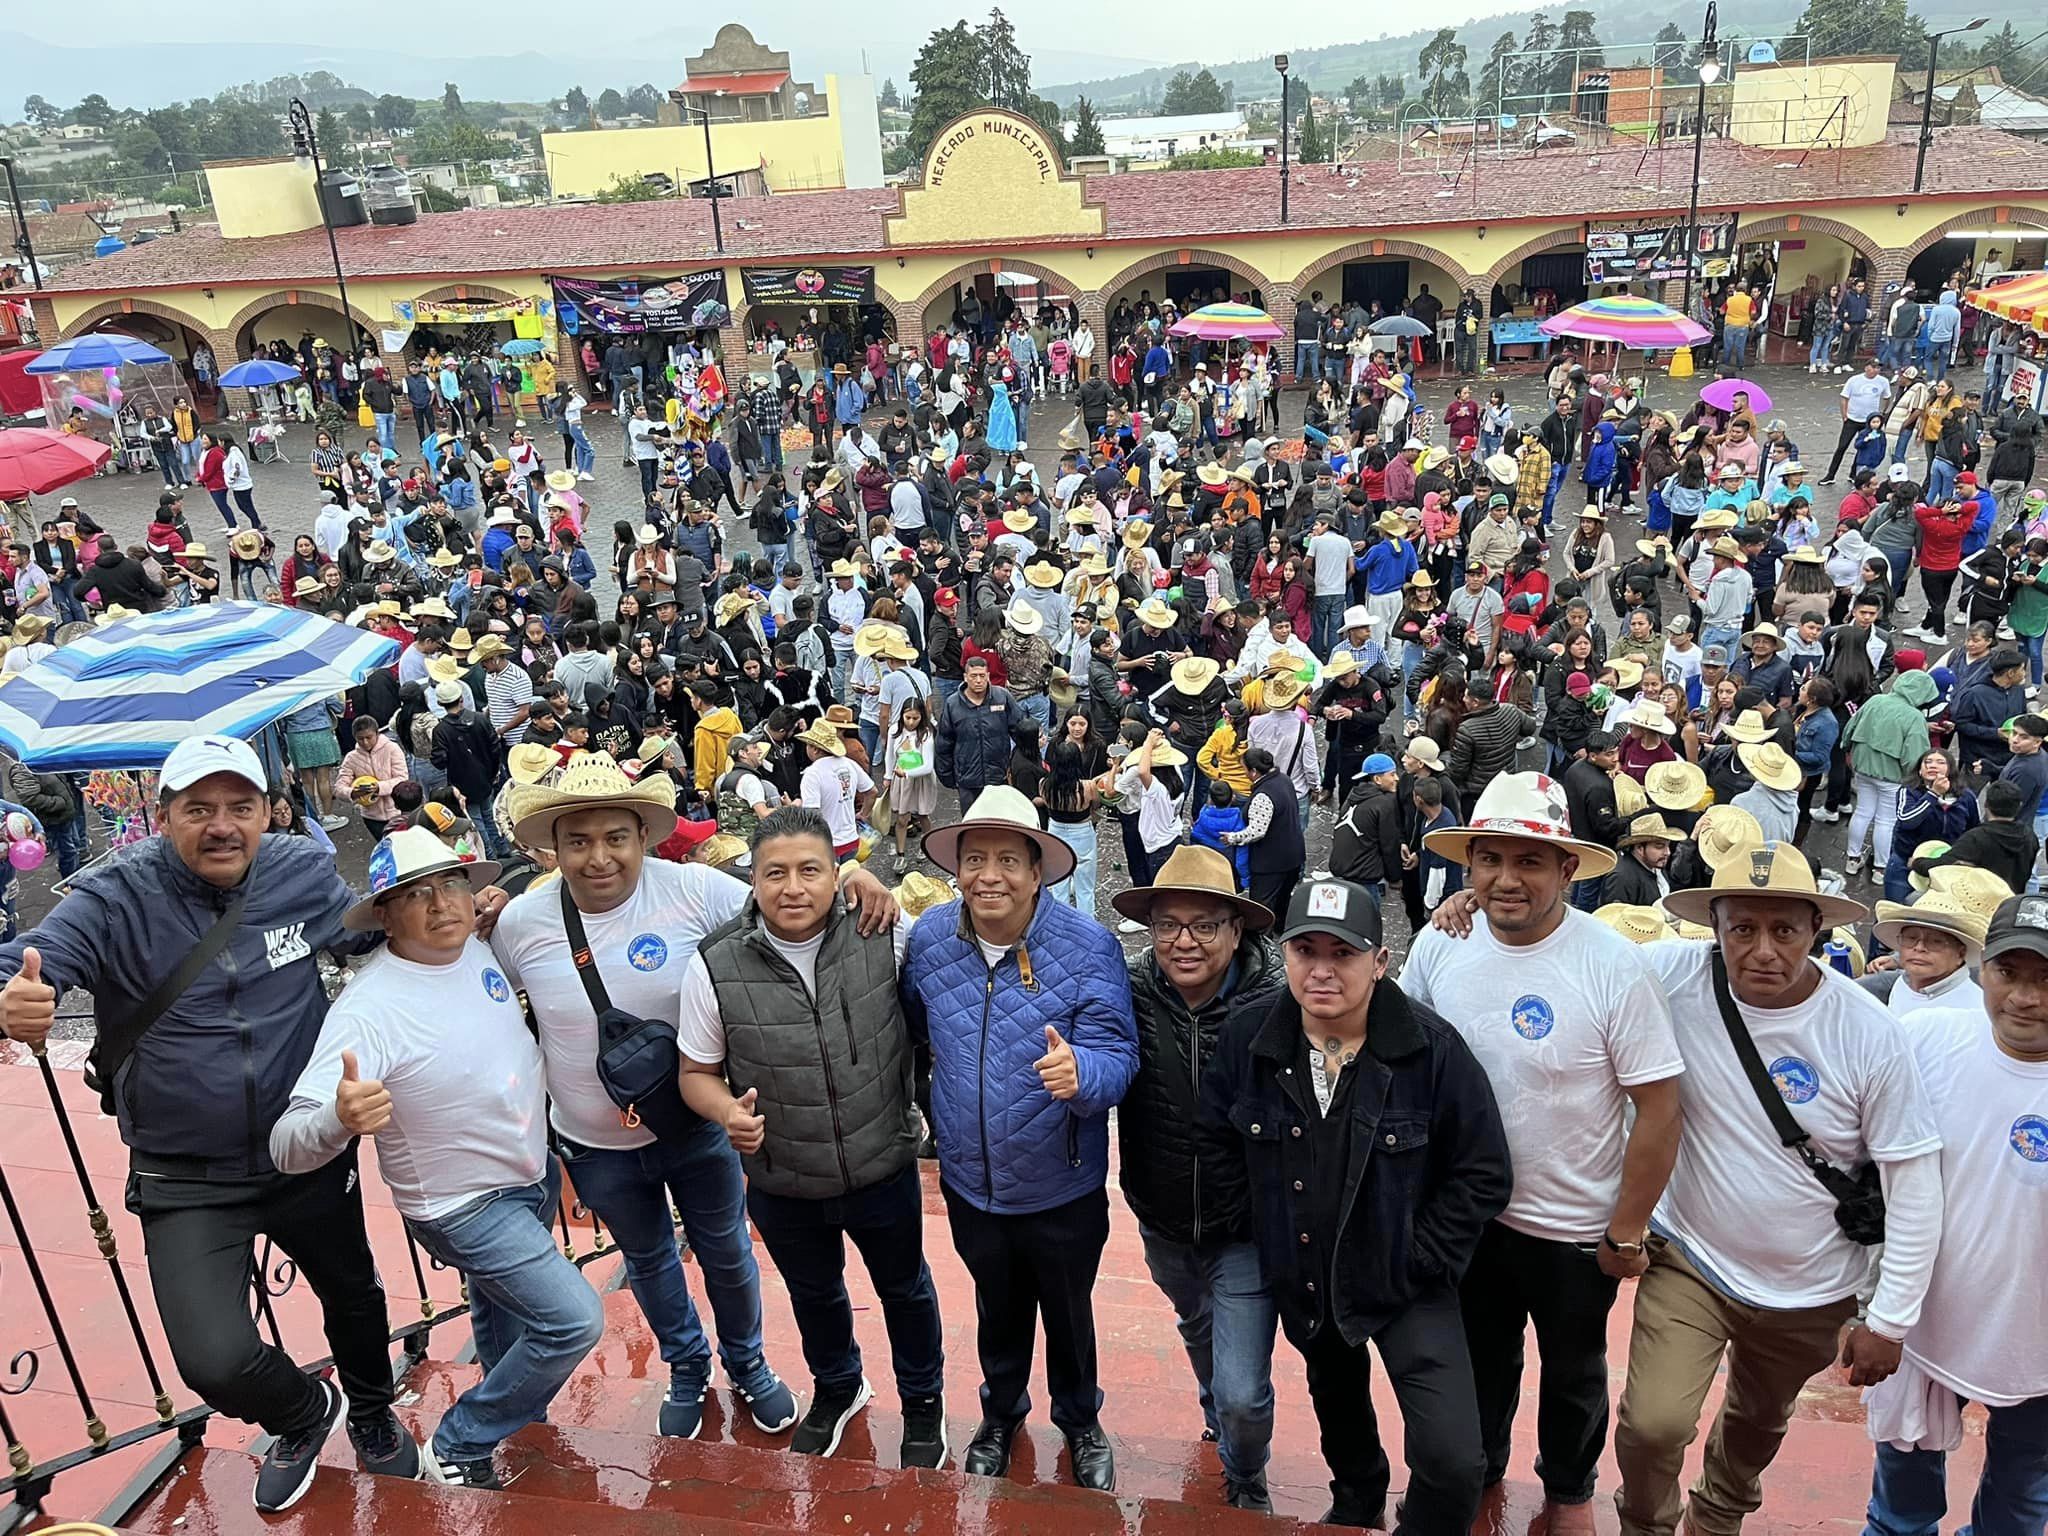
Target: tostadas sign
1026,135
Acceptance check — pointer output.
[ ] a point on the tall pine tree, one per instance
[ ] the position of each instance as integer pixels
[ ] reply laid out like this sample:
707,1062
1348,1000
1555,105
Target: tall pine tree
1087,128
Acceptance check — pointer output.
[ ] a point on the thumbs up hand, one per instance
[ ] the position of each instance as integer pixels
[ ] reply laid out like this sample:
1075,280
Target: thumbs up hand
361,1104
28,1007
743,1128
1057,1069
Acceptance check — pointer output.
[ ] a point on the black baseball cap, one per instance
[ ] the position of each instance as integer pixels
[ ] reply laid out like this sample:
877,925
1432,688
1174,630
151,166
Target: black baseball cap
1344,911
2021,922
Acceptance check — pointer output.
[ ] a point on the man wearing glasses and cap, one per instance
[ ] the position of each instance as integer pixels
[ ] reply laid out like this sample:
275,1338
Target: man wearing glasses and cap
1360,1132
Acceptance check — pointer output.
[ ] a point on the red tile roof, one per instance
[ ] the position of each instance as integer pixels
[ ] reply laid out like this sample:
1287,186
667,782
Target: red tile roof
761,83
1153,205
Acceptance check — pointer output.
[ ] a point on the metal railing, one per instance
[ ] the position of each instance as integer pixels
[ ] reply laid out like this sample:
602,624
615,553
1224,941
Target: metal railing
31,1477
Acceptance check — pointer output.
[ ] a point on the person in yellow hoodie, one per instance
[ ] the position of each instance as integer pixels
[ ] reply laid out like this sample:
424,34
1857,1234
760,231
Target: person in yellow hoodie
1222,755
717,724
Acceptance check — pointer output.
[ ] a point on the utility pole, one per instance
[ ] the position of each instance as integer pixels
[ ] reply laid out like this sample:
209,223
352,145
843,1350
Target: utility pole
1280,63
22,243
1927,97
1709,71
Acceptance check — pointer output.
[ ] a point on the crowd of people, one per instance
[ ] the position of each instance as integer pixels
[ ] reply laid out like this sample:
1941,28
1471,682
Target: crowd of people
1636,1036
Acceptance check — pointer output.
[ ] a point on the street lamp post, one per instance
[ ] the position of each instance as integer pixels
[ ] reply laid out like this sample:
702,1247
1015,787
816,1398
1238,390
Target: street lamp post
22,243
710,167
1709,71
306,147
1280,63
1927,96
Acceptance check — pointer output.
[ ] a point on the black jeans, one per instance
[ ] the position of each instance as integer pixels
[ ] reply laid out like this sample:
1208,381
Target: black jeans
1935,586
1274,889
1846,437
200,1238
807,1240
1043,1263
423,422
1423,1350
1514,1279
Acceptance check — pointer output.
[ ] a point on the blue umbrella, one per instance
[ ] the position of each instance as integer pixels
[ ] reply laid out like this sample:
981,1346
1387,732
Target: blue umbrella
257,373
524,347
125,694
98,351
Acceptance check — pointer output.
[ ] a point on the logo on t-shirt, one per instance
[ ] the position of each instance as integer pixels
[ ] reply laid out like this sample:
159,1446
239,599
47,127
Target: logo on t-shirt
647,953
1796,1081
2029,1137
496,987
1532,1017
281,946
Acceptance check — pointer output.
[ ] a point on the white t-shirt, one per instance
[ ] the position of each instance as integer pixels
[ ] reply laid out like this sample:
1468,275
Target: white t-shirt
1158,822
639,948
1982,1329
753,789
1958,989
1683,668
830,786
467,1099
701,1031
1562,1028
1745,1209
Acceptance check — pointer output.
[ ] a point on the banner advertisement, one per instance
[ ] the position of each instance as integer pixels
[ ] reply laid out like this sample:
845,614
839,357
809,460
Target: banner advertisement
463,311
809,285
693,301
1619,253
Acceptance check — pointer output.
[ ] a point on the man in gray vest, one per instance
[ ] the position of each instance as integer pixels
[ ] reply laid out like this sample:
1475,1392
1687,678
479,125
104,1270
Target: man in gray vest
794,1040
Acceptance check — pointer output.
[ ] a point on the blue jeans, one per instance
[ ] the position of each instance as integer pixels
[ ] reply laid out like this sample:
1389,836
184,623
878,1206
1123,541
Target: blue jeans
1735,345
70,842
1550,491
945,688
1729,635
533,1314
871,737
1909,1494
1823,346
1038,706
1587,894
2031,645
1226,1318
65,593
807,1240
775,555
1941,479
1308,361
1078,889
1328,612
630,1192
1941,352
586,456
387,429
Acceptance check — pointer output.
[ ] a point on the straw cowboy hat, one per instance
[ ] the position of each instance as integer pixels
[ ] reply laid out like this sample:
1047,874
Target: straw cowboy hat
1650,715
1530,806
1136,534
1043,574
1806,554
1501,466
898,648
1715,520
1629,799
1768,869
198,551
1155,614
1392,524
444,559
1650,549
1422,579
722,850
1211,474
592,780
561,479
1725,548
1023,618
1082,516
844,570
1194,673
505,517
1959,901
308,586
919,893
653,748
1358,616
444,669
489,647
872,635
403,858
1339,667
246,545
1001,808
529,762
731,606
30,627
1097,565
1592,515
1639,925
1649,829
1676,786
1192,870
1628,672
1279,693
1019,521
1726,832
823,735
432,608
1747,727
1771,765
116,612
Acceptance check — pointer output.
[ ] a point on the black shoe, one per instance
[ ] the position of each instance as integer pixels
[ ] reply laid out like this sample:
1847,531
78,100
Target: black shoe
924,1432
383,1447
830,1412
1250,1494
476,1473
1094,1462
1349,1510
289,1464
988,1453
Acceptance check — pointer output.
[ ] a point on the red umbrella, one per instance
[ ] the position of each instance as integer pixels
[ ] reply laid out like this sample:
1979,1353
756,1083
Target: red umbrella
34,460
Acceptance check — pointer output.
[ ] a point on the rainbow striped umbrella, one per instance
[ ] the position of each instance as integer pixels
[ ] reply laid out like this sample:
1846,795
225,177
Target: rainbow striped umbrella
1643,324
1229,322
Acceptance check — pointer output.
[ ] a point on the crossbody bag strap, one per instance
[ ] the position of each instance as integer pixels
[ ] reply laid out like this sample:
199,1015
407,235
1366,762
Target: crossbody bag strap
1789,1130
116,1045
579,952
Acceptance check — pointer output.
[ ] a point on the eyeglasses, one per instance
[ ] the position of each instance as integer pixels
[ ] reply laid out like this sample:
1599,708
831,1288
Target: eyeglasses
1167,930
426,892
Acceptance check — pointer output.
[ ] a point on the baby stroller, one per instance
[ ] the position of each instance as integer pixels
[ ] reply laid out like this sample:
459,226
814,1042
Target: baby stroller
265,441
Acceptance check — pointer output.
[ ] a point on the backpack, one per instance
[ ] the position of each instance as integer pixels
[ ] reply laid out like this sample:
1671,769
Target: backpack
422,733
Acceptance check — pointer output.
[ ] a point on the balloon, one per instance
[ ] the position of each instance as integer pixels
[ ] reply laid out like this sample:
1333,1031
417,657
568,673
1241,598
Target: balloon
19,825
25,855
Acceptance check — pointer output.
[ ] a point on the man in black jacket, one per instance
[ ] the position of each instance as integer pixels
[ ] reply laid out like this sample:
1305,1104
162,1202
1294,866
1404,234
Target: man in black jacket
1362,1135
1210,954
1366,846
465,747
1638,878
120,578
1589,802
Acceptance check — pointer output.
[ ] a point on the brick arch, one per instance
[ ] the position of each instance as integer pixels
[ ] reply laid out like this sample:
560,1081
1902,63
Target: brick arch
1166,261
469,291
2020,211
115,309
307,299
969,269
1536,247
1379,250
1781,226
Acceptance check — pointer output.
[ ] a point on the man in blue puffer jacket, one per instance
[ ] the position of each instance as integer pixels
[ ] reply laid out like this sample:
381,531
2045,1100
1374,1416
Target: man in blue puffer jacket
1027,1006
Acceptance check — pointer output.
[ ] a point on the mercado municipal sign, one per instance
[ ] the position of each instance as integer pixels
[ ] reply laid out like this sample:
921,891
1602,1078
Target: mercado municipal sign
993,166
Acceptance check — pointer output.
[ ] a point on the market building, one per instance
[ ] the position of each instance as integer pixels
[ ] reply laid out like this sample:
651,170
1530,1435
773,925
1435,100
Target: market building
994,205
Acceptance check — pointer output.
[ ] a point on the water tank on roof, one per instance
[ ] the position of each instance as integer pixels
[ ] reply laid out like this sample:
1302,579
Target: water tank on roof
341,195
106,245
387,192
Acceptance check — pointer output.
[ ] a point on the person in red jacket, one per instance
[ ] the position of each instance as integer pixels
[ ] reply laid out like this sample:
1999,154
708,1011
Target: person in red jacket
1941,552
1123,367
213,477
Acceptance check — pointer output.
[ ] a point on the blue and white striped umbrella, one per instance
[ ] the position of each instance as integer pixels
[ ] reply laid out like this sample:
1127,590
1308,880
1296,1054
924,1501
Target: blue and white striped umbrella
126,694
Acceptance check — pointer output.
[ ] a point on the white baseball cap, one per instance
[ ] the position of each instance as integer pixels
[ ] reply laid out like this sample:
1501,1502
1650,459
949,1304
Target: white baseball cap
199,757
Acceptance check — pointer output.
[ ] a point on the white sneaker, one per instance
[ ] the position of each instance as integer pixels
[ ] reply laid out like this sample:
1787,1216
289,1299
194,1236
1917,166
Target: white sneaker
1855,865
584,474
333,823
1129,925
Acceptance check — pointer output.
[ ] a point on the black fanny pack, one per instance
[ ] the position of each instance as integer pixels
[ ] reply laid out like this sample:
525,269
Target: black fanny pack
637,1059
1858,1196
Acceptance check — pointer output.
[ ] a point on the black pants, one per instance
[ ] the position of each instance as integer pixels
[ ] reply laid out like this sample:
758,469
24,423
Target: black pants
1423,1350
1935,586
807,1240
1274,889
1514,1279
200,1239
1843,440
1025,1267
423,422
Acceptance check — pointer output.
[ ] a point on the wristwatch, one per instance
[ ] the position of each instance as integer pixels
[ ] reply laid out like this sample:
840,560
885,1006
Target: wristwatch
1630,1249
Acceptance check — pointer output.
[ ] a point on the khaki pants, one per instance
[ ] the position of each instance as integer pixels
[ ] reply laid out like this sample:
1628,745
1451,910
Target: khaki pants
1682,1328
